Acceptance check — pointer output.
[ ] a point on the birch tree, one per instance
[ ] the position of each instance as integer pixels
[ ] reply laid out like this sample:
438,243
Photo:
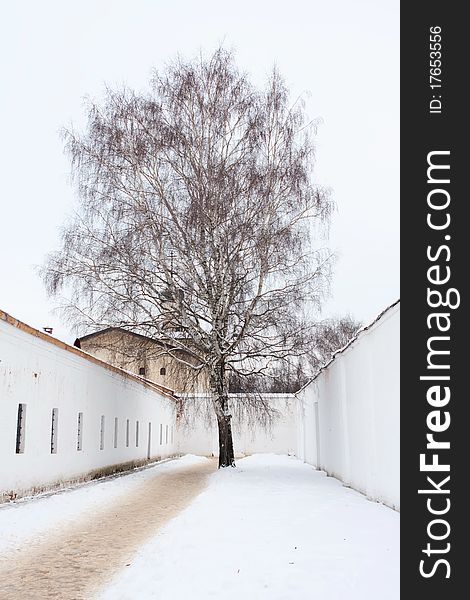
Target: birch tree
196,219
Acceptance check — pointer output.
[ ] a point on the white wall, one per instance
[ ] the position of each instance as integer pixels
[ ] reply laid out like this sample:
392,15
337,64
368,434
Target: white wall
199,435
349,414
44,374
345,422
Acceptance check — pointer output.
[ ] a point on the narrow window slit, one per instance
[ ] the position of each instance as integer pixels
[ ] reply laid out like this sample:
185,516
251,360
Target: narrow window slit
149,445
54,425
79,431
20,428
102,433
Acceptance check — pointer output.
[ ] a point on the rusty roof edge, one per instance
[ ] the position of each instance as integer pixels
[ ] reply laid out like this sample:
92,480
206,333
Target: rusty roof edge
358,333
74,350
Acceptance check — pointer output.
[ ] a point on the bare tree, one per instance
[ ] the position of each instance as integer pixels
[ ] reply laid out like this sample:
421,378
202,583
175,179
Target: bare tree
327,337
331,335
195,218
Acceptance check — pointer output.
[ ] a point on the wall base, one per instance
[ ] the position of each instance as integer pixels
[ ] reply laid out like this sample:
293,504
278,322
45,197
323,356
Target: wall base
107,472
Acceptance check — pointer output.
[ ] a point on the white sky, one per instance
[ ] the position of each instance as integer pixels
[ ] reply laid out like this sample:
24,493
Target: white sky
344,54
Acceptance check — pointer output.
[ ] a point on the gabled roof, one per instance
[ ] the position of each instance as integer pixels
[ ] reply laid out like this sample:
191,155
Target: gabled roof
165,342
89,336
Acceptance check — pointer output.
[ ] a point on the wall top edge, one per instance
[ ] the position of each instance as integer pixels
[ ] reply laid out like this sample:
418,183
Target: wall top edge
169,393
354,339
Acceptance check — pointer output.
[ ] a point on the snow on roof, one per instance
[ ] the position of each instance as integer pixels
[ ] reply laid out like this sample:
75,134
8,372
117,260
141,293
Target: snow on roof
121,329
164,340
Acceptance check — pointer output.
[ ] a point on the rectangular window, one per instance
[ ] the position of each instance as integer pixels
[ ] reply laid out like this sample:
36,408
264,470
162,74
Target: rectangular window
127,433
20,428
102,433
137,434
54,423
79,430
166,435
116,425
149,445
161,434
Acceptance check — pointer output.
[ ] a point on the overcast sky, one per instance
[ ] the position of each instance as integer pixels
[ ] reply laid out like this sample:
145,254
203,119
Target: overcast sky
343,54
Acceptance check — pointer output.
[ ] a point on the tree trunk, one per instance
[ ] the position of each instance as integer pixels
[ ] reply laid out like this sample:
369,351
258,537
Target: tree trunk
220,402
226,456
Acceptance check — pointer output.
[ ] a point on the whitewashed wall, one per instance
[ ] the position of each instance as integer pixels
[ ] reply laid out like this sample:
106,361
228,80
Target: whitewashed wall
345,422
348,421
199,435
45,374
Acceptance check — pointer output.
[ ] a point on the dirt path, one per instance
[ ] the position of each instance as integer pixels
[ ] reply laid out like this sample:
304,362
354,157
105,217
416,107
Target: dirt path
72,564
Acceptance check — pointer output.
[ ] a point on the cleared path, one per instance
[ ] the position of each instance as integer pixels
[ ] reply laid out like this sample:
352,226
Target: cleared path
73,563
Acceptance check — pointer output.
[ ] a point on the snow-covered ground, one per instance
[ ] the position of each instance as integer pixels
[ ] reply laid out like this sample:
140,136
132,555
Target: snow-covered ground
273,528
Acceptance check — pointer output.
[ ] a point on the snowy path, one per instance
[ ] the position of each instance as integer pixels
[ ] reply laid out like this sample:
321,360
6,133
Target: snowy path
66,546
272,529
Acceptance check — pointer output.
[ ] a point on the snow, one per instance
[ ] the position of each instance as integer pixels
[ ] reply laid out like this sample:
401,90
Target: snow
36,517
273,528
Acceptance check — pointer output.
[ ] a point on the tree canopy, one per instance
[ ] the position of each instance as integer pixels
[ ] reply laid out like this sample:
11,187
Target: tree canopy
196,218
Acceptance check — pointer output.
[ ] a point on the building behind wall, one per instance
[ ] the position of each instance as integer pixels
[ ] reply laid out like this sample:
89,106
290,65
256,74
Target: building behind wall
152,359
